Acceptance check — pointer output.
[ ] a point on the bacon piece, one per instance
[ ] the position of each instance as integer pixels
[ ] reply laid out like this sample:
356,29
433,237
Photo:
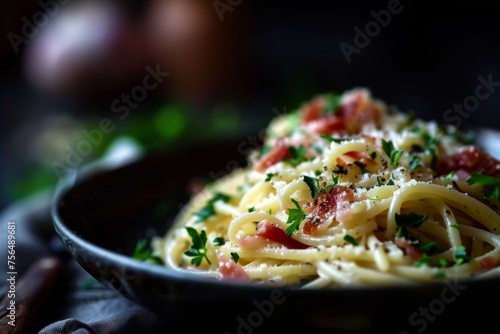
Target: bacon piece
279,152
313,110
488,263
410,250
469,160
267,230
324,208
230,269
328,125
358,110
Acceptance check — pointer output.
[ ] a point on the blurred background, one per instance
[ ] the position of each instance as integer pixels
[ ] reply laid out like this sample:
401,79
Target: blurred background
77,75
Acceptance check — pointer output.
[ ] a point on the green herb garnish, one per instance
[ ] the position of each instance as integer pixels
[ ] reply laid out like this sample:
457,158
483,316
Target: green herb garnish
461,256
492,184
295,217
335,140
198,250
298,155
313,185
209,210
143,253
425,259
219,241
391,152
350,240
235,257
410,220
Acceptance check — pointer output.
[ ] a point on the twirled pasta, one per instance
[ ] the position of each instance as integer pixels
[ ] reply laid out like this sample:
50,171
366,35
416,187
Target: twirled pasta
346,191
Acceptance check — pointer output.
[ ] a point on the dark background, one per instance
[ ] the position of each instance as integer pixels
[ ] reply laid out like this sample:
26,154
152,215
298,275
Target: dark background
228,76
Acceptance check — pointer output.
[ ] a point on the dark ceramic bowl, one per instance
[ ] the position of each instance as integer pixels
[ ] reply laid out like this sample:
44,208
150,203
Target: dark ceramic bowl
101,211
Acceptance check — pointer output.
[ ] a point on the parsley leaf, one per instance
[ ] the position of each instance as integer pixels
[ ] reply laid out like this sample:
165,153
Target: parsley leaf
410,220
209,209
425,259
313,185
492,183
295,217
391,152
143,253
335,140
298,155
350,240
198,250
269,176
461,256
235,256
484,180
414,162
219,241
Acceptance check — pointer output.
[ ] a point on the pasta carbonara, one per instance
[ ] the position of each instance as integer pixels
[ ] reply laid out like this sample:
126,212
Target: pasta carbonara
346,191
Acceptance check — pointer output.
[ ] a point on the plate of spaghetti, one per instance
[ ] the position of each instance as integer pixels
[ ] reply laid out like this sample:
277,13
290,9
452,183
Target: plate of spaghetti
346,191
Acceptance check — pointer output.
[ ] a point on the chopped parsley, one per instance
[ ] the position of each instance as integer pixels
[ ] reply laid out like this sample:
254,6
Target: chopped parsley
414,162
313,185
439,275
391,152
198,249
335,140
390,182
372,198
461,256
252,209
425,259
455,226
209,210
219,241
443,262
335,179
269,176
298,155
143,253
410,220
295,217
430,247
450,175
350,240
492,184
235,256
